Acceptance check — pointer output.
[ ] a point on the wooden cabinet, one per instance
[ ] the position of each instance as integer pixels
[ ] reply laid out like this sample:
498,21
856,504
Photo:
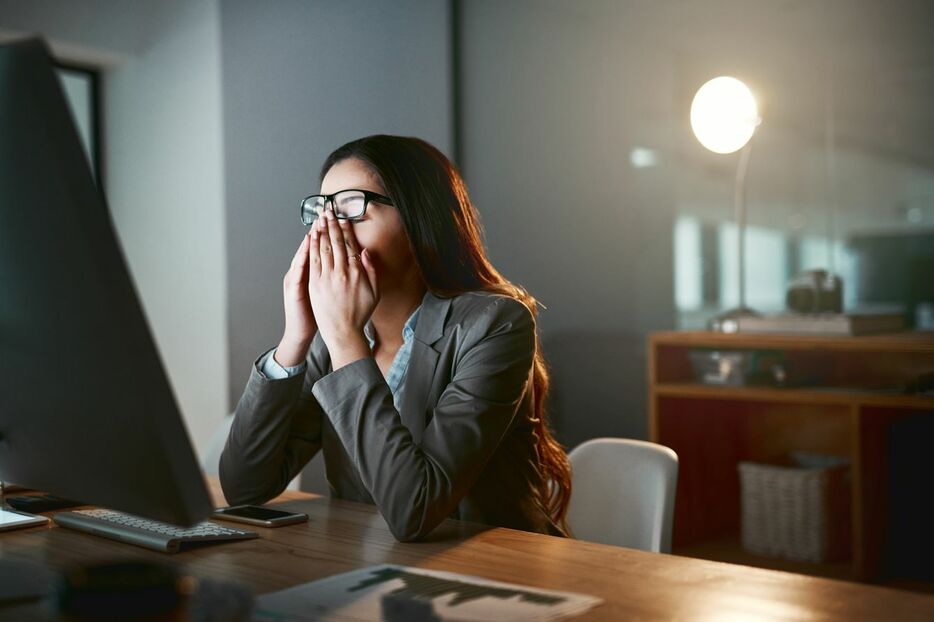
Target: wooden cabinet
843,400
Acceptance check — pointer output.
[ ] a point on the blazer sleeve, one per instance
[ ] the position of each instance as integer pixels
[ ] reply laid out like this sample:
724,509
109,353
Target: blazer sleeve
275,432
418,486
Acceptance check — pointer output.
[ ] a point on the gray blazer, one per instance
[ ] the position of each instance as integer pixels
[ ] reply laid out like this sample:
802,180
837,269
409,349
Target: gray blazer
462,444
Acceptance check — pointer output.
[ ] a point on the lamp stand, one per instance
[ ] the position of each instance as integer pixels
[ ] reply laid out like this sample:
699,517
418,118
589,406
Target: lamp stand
726,322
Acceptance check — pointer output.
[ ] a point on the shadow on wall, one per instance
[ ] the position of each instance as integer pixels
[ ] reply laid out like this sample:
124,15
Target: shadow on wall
598,385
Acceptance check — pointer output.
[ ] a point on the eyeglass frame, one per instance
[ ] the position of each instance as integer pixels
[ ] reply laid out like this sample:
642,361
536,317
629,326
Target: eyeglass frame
329,199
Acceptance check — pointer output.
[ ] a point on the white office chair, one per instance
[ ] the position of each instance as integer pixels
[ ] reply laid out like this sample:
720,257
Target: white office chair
623,493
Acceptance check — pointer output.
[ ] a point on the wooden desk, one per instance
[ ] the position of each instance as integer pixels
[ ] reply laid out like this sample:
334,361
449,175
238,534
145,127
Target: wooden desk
342,536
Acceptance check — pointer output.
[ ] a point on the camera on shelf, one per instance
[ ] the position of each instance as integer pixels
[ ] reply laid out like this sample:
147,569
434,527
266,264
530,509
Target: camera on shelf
815,291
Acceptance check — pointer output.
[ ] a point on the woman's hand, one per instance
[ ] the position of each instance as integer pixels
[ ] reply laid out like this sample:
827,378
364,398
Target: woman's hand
300,325
343,288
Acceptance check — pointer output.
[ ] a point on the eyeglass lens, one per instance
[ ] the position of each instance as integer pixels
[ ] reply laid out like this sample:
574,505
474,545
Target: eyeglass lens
347,204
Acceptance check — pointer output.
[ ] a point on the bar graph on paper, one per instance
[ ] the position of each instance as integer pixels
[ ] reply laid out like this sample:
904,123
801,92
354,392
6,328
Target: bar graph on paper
391,593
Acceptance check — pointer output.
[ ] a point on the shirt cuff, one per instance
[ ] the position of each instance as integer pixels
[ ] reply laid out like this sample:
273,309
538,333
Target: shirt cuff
274,371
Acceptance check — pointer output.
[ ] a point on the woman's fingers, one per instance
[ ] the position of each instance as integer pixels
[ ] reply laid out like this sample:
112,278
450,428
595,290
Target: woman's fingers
314,260
299,319
336,246
350,244
298,269
336,235
301,255
359,258
325,252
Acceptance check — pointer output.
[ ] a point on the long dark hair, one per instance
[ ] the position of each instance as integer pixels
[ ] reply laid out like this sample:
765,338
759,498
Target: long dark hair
446,237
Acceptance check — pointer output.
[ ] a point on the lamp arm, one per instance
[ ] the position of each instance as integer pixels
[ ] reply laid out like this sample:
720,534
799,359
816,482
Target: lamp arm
739,204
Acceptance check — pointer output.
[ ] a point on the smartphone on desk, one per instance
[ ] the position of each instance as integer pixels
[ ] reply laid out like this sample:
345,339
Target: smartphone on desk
258,515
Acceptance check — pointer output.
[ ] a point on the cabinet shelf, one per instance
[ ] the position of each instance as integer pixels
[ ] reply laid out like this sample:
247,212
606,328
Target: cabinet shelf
905,341
794,395
712,428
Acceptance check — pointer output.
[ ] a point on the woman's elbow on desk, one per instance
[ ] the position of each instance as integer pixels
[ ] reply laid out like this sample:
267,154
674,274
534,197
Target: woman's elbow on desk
239,487
412,522
231,484
407,532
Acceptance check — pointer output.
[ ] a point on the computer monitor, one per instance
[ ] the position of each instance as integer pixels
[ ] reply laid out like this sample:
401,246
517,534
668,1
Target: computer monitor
894,268
86,409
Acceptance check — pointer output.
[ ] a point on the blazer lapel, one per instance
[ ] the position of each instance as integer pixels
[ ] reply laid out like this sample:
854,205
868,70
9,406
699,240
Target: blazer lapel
419,377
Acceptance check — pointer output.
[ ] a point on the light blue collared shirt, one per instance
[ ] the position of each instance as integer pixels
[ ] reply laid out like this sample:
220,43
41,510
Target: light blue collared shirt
271,369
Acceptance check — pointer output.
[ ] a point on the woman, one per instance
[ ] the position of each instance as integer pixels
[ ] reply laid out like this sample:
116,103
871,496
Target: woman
406,358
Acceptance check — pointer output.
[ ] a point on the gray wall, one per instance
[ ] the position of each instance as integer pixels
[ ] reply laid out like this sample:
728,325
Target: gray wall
162,169
164,174
96,31
553,97
221,112
299,80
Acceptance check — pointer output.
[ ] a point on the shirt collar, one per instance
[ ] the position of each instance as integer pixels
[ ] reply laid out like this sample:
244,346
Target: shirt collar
408,331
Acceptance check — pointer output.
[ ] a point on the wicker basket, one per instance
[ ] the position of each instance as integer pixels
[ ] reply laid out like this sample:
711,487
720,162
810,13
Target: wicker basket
799,512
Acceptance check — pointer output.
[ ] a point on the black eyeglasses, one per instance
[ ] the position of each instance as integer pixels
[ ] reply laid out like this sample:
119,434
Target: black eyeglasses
347,204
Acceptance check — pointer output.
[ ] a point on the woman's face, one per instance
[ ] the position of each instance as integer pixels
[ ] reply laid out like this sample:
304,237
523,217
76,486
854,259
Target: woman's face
380,229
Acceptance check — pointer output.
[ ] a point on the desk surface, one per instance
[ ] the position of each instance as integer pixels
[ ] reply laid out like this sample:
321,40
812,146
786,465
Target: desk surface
342,536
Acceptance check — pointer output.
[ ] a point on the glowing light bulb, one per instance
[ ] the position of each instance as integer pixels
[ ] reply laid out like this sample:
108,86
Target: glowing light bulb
724,115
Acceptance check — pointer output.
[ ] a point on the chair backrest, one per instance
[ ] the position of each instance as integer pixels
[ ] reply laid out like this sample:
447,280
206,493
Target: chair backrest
623,493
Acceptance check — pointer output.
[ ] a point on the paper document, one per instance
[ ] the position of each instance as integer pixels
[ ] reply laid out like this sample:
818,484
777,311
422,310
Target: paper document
390,593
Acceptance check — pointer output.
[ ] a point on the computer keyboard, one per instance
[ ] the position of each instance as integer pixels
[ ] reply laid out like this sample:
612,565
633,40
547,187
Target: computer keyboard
147,533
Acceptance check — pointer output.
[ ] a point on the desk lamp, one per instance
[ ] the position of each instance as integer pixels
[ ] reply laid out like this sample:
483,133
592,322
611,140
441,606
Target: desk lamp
724,116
